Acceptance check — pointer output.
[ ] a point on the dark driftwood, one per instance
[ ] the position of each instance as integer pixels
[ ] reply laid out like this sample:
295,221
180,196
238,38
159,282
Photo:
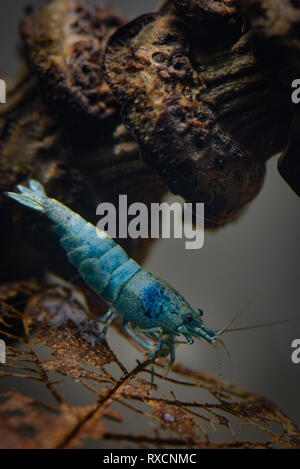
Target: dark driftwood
222,73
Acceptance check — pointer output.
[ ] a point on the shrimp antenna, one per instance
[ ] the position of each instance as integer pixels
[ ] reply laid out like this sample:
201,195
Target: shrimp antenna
259,326
219,369
219,341
220,363
226,328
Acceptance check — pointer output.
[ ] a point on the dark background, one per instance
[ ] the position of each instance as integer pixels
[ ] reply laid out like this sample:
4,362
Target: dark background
254,261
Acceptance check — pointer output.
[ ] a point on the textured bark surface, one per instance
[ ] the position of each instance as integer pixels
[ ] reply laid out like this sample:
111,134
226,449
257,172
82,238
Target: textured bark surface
64,44
275,27
207,12
190,132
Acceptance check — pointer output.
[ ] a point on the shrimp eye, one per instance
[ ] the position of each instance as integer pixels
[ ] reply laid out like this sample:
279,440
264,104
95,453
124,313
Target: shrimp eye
200,311
189,318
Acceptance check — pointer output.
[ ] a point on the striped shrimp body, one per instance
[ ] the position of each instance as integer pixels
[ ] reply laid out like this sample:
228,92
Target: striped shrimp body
151,308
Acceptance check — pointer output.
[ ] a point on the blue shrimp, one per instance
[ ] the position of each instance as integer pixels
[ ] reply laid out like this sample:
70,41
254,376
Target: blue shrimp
151,308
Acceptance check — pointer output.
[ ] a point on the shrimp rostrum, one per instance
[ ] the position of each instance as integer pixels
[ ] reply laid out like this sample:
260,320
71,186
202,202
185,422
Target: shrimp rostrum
154,313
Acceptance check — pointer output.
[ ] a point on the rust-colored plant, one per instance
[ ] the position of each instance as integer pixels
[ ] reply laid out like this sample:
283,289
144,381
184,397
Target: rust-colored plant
50,316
